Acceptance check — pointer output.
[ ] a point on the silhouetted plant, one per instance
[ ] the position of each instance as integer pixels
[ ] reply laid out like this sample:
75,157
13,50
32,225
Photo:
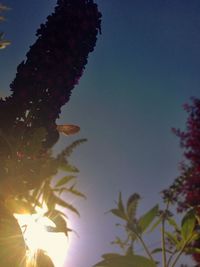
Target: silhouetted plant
28,128
174,241
41,260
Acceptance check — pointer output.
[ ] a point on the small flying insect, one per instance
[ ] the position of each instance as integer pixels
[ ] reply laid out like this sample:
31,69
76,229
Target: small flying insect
68,129
3,44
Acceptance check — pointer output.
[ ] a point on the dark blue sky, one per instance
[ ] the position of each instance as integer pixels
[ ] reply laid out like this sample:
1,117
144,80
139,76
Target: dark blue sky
144,68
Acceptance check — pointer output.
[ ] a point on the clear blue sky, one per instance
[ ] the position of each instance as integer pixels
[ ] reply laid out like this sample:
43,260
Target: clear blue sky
145,66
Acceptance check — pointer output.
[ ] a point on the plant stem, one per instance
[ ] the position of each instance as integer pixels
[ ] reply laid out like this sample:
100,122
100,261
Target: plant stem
144,246
181,251
170,258
178,256
163,242
163,216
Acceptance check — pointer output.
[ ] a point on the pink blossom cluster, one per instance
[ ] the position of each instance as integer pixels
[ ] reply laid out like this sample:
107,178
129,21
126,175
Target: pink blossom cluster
190,142
185,191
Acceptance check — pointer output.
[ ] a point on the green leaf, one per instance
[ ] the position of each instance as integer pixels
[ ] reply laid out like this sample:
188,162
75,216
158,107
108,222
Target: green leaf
126,261
49,197
188,225
173,223
64,180
132,205
66,205
173,238
60,223
54,213
69,149
108,256
118,213
65,166
76,192
195,236
155,225
120,204
192,250
147,219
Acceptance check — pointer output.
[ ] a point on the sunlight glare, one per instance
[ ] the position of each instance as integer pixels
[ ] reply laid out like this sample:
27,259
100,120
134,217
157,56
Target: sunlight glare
37,237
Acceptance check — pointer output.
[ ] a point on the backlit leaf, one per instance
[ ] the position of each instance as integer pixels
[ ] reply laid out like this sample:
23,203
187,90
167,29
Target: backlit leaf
126,261
64,204
172,237
188,225
120,204
65,166
132,204
173,223
192,250
108,256
64,180
75,192
147,218
118,213
59,221
155,225
69,149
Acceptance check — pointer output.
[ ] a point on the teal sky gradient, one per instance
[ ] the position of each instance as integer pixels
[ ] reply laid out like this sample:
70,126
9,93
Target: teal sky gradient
144,68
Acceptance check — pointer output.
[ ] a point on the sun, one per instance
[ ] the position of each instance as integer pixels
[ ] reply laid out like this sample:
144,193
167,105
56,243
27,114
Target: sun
34,228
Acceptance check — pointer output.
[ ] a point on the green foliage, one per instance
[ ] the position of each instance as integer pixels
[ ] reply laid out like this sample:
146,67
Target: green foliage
40,188
12,246
173,242
132,204
115,260
75,192
28,128
145,221
64,180
69,149
188,225
59,220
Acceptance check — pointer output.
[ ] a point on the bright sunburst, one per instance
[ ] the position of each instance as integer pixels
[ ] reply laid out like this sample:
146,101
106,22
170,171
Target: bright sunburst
37,237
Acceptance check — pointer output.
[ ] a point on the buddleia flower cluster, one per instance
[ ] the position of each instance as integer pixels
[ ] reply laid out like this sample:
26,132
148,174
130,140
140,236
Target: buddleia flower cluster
43,84
28,130
185,191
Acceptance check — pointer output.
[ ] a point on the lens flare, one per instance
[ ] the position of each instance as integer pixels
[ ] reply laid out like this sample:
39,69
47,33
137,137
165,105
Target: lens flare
34,228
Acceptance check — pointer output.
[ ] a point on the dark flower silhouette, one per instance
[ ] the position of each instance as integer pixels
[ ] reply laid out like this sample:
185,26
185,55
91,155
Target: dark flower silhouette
43,83
28,130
